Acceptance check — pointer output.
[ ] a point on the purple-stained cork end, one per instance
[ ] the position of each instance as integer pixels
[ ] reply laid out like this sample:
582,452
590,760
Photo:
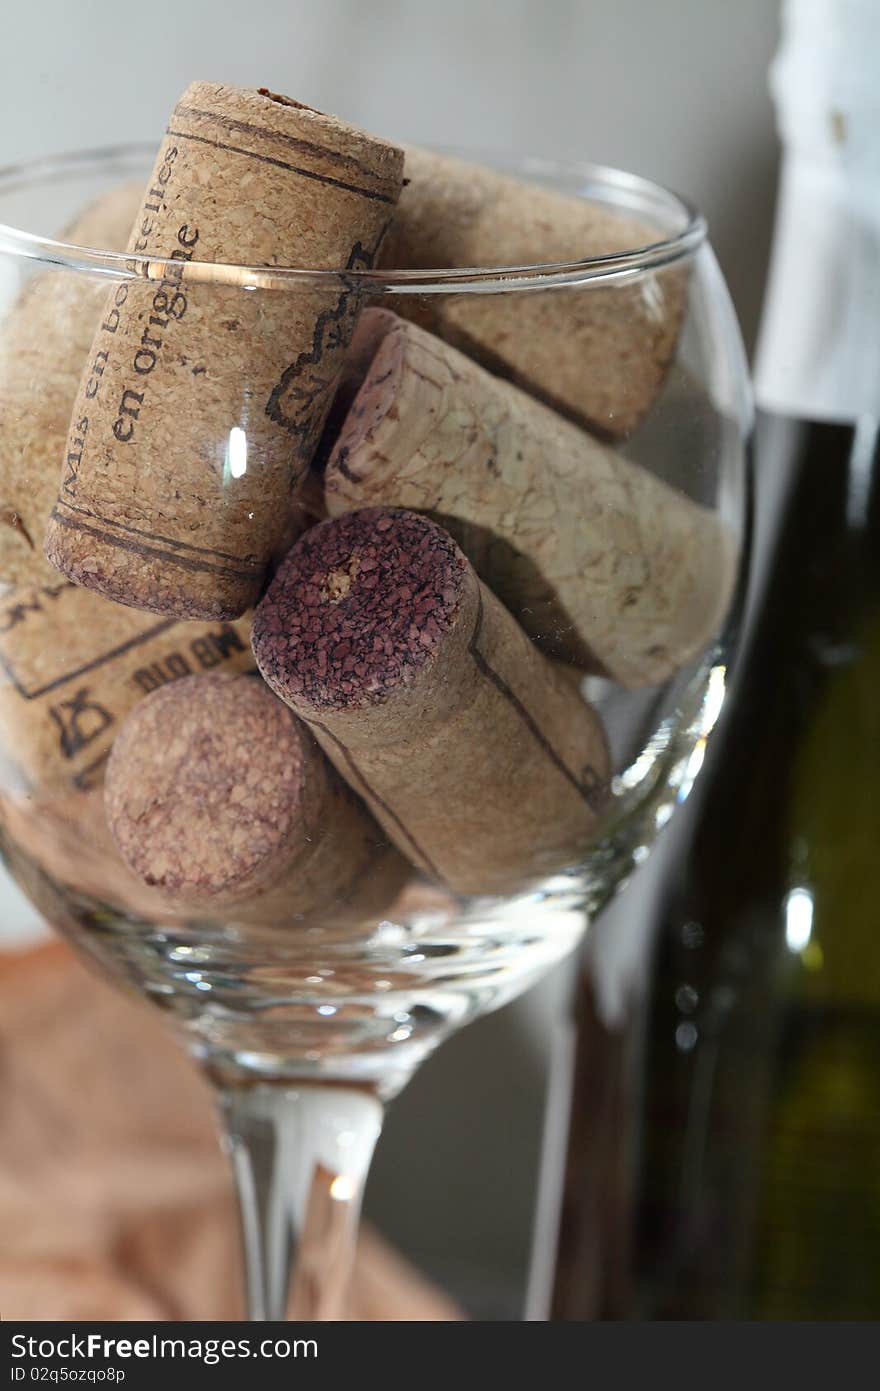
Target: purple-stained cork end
360,604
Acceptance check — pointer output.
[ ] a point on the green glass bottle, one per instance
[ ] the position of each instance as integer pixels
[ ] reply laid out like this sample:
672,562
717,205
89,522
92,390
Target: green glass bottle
759,1180
759,1191
817,1245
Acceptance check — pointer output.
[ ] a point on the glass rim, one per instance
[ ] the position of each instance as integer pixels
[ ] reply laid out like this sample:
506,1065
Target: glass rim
121,265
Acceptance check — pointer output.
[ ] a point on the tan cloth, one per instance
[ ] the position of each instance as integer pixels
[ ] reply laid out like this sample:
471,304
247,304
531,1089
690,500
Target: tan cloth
115,1201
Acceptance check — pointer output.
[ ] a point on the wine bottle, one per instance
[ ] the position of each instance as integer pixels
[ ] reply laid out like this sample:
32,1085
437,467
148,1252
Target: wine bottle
759,1187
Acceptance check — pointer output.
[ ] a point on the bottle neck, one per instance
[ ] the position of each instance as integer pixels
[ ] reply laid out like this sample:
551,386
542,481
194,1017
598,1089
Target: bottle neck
824,570
821,582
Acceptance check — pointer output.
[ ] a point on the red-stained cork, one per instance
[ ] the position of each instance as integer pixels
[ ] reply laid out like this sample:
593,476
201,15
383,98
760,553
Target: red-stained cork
474,752
359,606
217,795
602,563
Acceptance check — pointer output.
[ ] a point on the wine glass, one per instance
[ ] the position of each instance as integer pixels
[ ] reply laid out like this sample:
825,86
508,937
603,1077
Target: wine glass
308,1019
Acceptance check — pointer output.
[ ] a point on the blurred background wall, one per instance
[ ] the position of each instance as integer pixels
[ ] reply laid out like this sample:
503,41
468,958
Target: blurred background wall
674,89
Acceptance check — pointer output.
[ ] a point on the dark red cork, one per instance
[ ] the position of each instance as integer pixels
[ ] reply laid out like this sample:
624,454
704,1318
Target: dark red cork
358,607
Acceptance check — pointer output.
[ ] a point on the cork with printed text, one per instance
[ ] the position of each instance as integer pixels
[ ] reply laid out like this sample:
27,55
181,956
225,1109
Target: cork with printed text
72,665
44,339
201,401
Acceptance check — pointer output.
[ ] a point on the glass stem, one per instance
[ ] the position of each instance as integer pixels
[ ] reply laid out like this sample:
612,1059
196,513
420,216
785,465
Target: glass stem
300,1155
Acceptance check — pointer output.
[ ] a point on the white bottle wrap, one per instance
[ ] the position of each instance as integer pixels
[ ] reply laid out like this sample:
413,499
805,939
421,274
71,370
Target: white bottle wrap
818,352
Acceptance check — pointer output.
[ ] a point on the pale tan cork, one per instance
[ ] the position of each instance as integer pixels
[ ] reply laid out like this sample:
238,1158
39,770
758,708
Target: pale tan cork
220,798
475,754
369,331
72,665
161,506
44,339
598,353
65,837
601,562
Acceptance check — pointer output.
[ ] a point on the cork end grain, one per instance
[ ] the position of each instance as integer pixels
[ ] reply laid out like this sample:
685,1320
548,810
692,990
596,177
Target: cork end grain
359,607
204,787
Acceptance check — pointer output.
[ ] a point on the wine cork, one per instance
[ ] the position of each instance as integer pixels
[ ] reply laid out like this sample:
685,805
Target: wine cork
216,795
60,844
44,339
475,754
369,332
596,352
200,404
72,665
601,562
103,224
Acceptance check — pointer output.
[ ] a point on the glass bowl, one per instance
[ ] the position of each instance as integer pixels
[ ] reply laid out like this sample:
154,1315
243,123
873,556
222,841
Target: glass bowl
531,760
